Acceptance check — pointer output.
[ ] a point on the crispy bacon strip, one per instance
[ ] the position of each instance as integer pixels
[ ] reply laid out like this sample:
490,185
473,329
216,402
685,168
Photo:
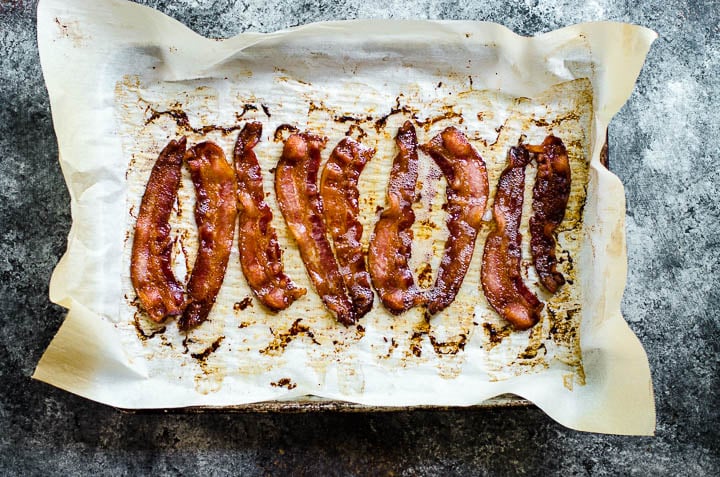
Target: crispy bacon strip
339,193
550,198
467,193
260,254
501,279
301,206
391,243
159,292
215,212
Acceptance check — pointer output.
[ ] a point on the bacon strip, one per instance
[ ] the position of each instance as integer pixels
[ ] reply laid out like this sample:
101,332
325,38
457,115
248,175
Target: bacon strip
391,243
157,289
501,279
467,193
301,206
260,254
339,193
550,198
215,212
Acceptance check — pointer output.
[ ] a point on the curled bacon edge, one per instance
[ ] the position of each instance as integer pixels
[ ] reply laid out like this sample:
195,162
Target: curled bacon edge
500,275
391,242
260,254
467,193
339,193
151,274
300,203
215,213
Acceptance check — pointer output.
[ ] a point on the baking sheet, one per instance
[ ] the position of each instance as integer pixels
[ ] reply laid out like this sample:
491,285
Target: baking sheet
140,78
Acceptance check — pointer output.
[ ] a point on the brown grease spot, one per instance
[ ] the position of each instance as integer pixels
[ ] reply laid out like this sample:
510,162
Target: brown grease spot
449,347
280,130
495,336
532,351
380,123
69,30
314,107
246,107
543,123
244,303
425,275
188,264
416,344
562,325
393,345
448,113
422,328
347,118
141,333
281,340
202,356
284,383
354,128
183,123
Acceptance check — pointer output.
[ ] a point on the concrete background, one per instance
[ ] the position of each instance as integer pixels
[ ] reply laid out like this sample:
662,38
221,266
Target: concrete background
663,145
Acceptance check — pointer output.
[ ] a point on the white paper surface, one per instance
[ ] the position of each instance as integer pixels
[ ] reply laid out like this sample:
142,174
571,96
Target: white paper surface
120,74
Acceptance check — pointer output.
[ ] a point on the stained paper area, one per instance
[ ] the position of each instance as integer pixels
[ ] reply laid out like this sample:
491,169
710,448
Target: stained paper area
140,79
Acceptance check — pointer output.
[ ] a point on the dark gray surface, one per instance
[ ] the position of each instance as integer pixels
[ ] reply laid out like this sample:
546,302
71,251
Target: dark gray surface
663,145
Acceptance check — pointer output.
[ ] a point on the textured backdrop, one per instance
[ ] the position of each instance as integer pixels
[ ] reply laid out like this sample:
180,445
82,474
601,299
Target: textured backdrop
662,144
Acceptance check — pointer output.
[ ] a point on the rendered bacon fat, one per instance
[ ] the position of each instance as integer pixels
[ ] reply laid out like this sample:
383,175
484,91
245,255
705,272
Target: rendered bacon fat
339,193
550,198
467,192
300,204
215,213
157,289
260,254
391,242
501,279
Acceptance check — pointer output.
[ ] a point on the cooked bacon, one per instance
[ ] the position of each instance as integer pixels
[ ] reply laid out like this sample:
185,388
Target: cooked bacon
301,206
550,198
215,212
260,254
339,193
157,289
391,243
467,193
501,279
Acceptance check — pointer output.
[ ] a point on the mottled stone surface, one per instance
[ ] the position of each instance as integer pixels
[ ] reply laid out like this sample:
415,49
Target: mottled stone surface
663,145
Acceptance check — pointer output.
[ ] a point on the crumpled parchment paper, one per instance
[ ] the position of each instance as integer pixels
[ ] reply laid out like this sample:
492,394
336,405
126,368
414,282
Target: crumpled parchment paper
124,79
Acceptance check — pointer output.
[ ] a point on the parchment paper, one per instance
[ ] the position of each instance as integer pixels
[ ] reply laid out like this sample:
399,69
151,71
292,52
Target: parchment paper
124,79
